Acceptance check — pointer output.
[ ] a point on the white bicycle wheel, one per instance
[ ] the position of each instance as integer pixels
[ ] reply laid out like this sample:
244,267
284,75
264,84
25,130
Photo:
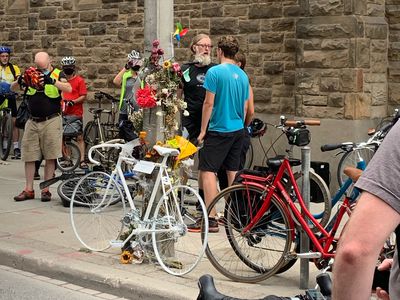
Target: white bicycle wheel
350,159
179,251
97,208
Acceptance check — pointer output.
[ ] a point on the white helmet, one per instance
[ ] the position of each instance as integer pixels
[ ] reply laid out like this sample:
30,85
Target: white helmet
134,59
68,61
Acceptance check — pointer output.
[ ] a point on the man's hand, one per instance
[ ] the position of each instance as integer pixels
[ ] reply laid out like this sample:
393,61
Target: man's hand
70,103
385,265
381,294
200,138
48,80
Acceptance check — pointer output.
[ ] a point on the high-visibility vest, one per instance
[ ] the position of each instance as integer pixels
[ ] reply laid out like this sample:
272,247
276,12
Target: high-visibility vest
125,76
49,89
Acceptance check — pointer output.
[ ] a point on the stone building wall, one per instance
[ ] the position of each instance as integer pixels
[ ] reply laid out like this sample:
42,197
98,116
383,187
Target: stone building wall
313,58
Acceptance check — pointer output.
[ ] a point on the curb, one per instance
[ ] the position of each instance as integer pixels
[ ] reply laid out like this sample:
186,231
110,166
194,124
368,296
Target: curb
105,279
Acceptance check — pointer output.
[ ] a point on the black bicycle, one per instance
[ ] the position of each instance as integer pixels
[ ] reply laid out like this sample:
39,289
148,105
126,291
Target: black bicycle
6,129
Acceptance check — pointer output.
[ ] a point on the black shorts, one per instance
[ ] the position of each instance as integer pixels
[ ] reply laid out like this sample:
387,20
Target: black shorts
221,149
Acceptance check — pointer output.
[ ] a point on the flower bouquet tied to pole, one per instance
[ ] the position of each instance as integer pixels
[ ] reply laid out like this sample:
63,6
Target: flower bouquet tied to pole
160,82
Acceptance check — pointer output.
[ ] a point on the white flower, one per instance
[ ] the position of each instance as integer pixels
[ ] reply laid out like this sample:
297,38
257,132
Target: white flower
158,103
186,113
159,113
164,91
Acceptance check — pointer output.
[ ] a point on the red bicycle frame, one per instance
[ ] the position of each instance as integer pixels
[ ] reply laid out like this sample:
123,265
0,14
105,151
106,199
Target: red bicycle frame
322,243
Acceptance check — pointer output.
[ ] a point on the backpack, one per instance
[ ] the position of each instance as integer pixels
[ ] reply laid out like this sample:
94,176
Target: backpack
12,70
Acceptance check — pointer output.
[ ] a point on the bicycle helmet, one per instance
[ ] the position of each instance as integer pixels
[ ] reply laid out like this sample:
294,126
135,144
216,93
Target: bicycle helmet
32,78
5,49
257,128
134,59
68,61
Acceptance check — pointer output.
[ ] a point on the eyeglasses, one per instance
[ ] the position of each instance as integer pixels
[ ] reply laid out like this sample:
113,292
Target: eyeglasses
205,46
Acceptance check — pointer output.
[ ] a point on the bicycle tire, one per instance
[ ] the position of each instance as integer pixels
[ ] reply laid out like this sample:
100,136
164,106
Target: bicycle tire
96,210
175,215
65,190
249,157
273,229
350,159
324,205
6,135
71,160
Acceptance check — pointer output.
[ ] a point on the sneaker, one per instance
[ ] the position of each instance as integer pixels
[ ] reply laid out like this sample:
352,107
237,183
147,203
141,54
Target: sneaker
17,154
196,227
46,196
25,195
36,176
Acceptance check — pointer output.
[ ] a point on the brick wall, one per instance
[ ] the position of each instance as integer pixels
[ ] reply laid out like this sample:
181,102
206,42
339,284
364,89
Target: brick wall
314,58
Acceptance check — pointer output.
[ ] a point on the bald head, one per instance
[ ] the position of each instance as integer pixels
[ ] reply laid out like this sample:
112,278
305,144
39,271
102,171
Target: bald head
42,60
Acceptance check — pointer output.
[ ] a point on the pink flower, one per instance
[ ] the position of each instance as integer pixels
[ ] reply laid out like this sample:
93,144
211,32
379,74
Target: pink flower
176,67
156,43
160,51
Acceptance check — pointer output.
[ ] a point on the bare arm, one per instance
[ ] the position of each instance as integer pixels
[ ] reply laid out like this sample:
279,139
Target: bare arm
249,108
15,87
365,233
206,115
63,85
118,78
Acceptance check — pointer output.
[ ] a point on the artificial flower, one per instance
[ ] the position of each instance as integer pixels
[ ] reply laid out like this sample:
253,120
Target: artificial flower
126,257
145,97
167,64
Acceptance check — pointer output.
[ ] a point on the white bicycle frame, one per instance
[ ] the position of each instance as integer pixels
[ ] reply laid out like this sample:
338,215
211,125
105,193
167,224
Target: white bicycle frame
144,167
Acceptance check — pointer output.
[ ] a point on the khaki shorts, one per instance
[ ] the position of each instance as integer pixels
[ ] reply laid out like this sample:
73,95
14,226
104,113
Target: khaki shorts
42,138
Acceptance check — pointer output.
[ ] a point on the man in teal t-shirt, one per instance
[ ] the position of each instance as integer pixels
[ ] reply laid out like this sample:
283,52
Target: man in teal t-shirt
227,90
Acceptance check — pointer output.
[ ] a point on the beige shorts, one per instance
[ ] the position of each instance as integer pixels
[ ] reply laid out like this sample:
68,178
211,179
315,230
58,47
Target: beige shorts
42,138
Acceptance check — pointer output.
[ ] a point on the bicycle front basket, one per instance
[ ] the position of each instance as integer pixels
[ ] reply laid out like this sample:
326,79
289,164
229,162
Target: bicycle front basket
298,136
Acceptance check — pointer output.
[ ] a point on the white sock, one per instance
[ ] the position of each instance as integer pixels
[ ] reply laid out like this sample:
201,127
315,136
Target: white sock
16,145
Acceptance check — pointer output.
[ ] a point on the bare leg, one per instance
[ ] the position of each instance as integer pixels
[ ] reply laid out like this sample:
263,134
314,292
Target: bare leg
209,180
49,169
231,176
29,173
81,146
15,131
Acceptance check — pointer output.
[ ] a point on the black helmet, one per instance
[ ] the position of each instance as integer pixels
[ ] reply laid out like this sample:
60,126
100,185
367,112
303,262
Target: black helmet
257,128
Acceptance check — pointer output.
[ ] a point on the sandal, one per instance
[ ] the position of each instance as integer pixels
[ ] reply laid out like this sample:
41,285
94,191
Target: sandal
83,165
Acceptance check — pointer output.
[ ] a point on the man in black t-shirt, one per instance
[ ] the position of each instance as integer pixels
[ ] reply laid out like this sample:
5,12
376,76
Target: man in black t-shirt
192,81
43,131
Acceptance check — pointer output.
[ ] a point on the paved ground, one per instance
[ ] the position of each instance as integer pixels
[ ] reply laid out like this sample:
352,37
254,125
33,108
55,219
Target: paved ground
37,237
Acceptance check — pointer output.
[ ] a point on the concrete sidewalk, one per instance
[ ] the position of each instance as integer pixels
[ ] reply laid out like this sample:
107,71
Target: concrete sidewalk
38,237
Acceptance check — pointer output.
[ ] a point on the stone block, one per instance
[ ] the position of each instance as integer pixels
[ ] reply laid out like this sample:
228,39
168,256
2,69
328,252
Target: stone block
13,34
375,77
224,26
88,16
265,11
272,68
325,59
100,55
381,46
327,27
376,9
326,7
335,44
97,28
362,53
351,80
293,11
262,95
48,13
26,35
360,7
376,31
212,10
37,3
329,84
307,82
272,37
125,34
379,94
357,106
47,41
322,112
54,26
249,26
311,44
275,25
282,91
33,22
237,10
64,49
287,105
253,38
335,100
379,111
107,15
200,23
127,8
379,62
136,20
290,44
309,100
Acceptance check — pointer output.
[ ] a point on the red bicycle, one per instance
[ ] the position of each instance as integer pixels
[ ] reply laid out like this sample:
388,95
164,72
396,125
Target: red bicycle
261,218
